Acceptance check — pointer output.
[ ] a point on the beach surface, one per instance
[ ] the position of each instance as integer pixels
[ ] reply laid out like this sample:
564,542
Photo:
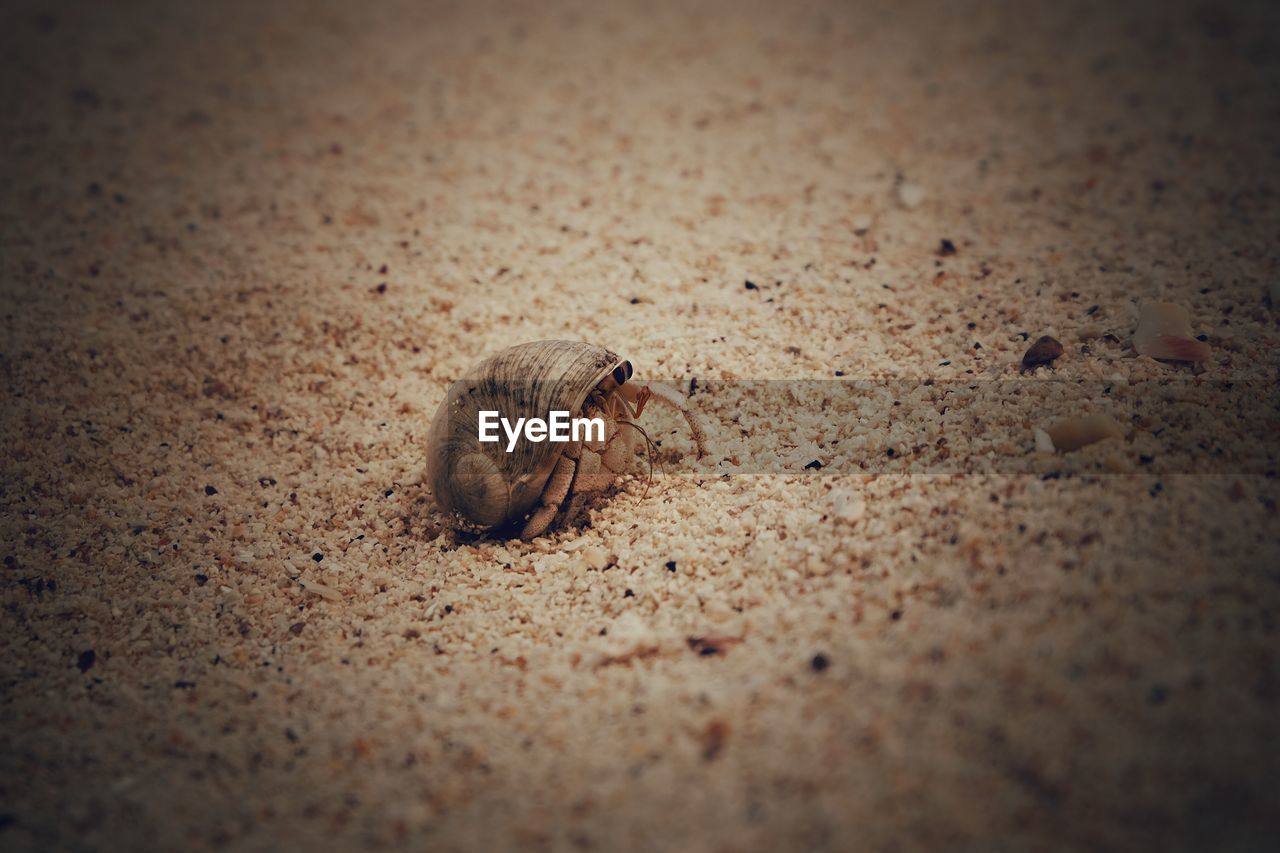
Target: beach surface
245,248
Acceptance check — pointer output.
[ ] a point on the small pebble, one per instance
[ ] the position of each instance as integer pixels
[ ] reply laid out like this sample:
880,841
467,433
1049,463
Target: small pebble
1076,432
316,588
1044,351
595,557
910,195
848,506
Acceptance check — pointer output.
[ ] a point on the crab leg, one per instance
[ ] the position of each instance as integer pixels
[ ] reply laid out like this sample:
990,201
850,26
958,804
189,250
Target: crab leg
639,393
553,496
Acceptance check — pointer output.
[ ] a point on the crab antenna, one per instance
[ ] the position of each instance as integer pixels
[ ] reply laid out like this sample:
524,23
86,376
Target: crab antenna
650,452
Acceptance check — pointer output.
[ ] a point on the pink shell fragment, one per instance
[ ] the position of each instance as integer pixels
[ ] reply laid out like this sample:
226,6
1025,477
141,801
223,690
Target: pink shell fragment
1164,332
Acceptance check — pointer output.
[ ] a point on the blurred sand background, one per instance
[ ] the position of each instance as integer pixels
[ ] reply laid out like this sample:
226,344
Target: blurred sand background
245,246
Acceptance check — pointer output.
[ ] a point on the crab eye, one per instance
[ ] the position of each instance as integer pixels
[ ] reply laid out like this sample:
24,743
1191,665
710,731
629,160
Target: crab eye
622,372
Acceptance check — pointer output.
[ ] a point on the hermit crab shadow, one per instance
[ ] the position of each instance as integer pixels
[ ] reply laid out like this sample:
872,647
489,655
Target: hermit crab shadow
424,520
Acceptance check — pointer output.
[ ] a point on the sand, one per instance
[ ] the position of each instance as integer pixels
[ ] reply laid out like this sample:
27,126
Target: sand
245,249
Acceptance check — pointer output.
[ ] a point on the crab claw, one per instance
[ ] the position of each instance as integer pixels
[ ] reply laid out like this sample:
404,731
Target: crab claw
642,397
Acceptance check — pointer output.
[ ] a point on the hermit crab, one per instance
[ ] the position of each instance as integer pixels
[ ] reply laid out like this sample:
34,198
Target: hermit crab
525,485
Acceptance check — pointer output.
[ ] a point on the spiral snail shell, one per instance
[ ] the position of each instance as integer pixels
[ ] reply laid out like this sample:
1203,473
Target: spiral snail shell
489,487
